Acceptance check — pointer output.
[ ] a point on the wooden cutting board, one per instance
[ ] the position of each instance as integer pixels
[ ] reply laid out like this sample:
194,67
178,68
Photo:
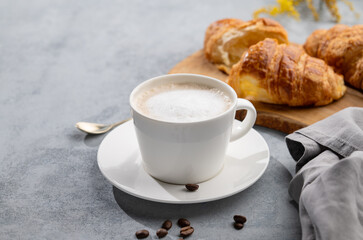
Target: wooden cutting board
282,118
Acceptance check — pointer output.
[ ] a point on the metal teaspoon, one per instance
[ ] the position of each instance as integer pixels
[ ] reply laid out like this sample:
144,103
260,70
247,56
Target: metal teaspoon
97,128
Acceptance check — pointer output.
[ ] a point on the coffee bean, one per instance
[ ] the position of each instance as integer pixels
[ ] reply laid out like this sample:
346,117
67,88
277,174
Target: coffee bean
185,228
238,226
182,222
240,219
142,234
192,187
161,233
167,224
186,231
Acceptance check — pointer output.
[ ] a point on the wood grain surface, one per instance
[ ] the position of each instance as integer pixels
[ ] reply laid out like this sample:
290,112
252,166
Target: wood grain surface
279,117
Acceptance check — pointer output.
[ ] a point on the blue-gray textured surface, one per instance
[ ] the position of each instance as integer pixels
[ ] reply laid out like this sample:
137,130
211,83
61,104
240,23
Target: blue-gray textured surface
68,61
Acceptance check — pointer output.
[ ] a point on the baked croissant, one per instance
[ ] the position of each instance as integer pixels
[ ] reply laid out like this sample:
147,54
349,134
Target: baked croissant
342,48
284,74
227,39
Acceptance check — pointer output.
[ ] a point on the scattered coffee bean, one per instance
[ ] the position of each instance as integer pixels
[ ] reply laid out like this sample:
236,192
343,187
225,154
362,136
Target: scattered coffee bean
192,187
182,222
142,234
238,226
167,224
186,231
161,233
239,219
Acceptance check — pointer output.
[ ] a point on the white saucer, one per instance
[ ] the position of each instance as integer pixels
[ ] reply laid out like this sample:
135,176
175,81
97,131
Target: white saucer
120,162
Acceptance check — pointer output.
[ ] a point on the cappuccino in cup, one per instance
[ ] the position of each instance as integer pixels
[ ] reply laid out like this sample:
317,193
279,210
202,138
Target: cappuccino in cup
183,125
182,102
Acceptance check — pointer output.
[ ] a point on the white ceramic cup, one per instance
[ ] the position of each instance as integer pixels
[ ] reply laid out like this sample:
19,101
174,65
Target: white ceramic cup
188,152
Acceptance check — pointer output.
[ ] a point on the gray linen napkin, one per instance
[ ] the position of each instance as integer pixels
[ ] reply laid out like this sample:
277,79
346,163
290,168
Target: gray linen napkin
328,185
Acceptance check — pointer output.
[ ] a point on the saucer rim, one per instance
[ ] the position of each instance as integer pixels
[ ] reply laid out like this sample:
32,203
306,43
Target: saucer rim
200,200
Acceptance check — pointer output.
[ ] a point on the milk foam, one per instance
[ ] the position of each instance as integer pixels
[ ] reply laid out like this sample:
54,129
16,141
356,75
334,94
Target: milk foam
184,102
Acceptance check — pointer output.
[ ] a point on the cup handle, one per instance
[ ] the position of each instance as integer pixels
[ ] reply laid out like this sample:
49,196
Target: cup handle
243,127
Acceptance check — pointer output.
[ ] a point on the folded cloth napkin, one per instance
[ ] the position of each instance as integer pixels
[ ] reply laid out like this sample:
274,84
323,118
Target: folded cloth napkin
328,185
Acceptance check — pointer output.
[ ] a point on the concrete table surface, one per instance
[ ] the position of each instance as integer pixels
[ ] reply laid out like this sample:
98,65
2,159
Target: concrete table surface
66,61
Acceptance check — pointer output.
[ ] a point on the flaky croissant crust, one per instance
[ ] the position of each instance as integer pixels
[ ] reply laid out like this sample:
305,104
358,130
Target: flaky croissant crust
342,48
285,74
227,39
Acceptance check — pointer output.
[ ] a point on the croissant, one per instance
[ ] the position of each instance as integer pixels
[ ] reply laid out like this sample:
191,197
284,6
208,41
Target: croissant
226,40
284,74
342,48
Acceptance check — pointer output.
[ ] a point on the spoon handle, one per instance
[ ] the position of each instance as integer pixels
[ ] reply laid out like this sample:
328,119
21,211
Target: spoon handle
119,123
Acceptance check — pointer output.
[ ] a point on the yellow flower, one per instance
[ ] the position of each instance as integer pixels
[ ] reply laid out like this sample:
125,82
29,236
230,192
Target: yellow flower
288,7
